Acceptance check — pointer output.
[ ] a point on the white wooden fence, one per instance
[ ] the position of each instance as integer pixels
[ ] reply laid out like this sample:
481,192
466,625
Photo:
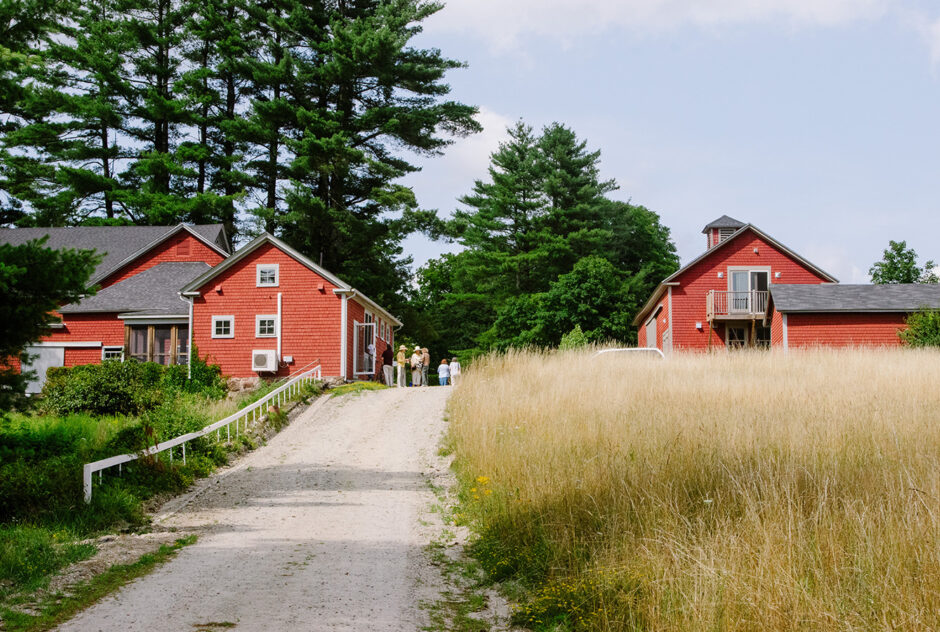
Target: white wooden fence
247,414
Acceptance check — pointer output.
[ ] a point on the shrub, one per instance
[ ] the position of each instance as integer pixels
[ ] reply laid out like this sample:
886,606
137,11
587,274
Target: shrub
128,388
112,387
923,329
573,339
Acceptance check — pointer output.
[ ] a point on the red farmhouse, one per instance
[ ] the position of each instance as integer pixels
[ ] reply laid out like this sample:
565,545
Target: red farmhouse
266,310
269,309
749,290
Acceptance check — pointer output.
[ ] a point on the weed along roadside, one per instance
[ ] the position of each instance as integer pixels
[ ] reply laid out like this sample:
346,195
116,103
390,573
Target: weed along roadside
45,525
743,491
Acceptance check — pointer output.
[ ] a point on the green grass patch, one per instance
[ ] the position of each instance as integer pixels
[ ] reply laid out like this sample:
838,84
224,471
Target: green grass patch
56,609
357,387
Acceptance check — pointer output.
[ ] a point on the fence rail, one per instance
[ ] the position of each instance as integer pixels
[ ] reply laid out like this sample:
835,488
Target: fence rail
249,413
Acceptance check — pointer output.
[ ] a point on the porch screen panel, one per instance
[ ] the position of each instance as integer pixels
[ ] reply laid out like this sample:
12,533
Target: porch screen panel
138,350
182,345
161,344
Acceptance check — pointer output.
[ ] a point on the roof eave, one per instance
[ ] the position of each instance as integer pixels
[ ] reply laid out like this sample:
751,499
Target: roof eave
657,294
153,244
357,294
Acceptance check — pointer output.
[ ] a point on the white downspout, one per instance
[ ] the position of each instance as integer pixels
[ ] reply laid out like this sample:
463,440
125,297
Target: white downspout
342,337
279,356
786,342
189,358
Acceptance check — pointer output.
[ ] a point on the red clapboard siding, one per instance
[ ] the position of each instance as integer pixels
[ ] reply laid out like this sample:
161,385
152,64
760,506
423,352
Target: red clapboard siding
688,298
181,247
776,330
103,328
844,330
310,319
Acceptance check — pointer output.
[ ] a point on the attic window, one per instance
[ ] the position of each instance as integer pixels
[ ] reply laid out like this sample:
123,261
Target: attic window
182,248
724,233
267,275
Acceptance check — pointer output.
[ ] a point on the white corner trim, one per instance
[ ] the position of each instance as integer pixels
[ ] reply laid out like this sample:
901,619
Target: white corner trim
278,325
786,341
669,323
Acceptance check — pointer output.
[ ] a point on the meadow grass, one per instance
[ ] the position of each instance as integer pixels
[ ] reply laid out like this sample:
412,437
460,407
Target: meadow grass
744,491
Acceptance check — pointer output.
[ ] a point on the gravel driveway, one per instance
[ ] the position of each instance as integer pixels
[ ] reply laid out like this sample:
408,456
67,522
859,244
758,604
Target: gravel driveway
319,530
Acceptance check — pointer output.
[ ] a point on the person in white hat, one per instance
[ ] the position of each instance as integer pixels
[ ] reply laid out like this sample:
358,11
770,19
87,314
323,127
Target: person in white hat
416,367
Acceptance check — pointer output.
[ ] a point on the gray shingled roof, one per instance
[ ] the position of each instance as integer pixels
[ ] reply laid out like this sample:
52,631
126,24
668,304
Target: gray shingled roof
153,291
724,222
901,297
117,242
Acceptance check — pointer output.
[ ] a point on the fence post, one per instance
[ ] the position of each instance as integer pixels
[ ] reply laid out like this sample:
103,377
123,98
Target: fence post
184,453
86,482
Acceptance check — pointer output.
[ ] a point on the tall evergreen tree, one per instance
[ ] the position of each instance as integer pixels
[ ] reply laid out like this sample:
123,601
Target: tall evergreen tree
361,94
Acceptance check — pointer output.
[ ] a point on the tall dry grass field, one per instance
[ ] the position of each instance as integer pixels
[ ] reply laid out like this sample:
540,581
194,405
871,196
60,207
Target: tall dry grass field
746,491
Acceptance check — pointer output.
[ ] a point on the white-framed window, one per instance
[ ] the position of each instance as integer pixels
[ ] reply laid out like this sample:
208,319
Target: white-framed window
223,326
265,326
267,274
112,353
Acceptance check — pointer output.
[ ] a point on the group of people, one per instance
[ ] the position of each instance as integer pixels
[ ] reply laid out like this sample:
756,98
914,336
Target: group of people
448,372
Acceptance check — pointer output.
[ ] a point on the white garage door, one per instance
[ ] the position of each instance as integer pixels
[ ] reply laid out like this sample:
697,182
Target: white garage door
42,359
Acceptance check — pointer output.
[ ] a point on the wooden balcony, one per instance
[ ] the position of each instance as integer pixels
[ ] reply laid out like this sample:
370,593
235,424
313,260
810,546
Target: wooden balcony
736,305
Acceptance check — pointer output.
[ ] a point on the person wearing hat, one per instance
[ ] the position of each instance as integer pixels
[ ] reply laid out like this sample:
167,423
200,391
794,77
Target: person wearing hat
416,359
387,359
400,360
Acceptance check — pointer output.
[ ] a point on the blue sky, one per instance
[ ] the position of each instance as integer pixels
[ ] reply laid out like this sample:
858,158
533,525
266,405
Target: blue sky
817,121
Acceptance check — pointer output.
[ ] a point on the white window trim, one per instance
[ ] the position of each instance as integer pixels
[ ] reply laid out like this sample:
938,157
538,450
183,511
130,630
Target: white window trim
259,318
104,350
231,328
268,266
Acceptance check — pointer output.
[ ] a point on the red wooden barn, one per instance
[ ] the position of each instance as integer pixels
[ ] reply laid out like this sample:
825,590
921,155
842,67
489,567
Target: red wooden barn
137,311
266,310
749,290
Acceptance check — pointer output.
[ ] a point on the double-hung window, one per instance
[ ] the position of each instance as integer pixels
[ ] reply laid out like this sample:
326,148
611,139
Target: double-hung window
265,326
267,275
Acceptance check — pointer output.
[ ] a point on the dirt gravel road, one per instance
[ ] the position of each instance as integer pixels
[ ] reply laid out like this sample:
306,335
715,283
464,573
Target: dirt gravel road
322,529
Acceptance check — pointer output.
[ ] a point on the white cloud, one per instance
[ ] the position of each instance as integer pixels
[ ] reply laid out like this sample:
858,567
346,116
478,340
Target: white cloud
503,22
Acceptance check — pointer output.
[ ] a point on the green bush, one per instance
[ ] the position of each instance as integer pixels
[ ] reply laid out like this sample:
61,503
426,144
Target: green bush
573,339
126,388
923,329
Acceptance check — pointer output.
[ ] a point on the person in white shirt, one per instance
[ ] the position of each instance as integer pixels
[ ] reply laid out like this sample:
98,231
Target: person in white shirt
454,371
416,367
443,372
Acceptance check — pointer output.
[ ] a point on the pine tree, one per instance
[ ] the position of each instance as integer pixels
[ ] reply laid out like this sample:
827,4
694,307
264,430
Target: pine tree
501,227
360,93
27,102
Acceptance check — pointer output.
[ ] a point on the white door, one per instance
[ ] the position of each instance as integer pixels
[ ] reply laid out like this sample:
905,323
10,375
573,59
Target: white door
667,342
363,355
651,332
42,359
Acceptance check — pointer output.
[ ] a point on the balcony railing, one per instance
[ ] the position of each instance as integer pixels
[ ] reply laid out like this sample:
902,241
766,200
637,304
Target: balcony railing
730,305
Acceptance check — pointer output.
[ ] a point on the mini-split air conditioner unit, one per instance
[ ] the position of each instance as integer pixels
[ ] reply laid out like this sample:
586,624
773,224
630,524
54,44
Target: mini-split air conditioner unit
264,360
